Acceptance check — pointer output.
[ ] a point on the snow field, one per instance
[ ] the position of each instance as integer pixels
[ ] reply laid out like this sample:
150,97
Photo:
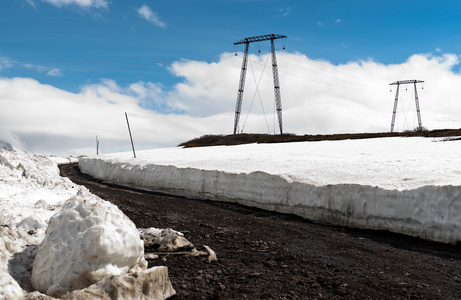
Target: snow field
405,185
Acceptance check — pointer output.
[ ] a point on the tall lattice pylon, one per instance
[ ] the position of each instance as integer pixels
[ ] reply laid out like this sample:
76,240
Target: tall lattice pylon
418,112
278,97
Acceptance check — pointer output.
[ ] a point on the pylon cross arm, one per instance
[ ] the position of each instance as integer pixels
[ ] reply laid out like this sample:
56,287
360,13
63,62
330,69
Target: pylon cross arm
260,38
406,82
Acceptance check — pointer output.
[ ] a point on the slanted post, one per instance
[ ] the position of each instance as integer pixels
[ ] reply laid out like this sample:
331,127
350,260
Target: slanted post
131,138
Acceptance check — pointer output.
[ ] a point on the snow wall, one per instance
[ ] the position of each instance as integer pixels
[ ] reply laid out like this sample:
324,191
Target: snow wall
429,212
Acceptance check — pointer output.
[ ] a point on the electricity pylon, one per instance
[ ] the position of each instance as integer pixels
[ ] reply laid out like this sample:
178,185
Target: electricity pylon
398,83
278,97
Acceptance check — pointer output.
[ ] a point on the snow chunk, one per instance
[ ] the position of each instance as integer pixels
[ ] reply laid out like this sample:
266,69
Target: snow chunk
151,284
164,239
212,255
86,241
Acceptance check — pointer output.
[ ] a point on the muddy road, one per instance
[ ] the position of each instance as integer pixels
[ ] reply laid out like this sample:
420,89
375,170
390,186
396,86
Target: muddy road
265,255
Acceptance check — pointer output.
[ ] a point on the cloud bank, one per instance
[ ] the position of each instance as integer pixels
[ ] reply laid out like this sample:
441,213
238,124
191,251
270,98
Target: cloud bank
317,97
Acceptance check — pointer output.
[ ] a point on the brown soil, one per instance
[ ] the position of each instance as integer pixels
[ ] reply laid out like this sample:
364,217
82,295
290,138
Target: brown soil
265,255
246,138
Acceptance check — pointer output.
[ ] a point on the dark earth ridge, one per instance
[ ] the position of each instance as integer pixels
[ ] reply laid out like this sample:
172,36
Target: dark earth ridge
246,138
267,255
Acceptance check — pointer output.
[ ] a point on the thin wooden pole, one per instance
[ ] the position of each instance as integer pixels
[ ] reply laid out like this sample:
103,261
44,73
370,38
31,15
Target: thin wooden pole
97,146
131,138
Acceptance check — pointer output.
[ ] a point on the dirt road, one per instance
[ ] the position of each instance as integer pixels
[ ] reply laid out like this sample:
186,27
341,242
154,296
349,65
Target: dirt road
265,255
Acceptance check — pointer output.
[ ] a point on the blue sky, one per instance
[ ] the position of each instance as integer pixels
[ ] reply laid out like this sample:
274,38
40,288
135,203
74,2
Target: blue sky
176,58
86,43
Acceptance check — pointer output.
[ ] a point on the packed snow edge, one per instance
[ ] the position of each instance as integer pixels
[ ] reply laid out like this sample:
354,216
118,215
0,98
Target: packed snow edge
429,212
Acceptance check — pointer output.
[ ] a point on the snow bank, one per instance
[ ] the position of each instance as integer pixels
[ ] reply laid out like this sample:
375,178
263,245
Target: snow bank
31,191
405,185
9,245
87,240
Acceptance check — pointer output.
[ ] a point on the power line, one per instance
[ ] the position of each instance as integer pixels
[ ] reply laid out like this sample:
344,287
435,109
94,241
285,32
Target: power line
88,66
259,95
118,61
371,88
318,73
336,70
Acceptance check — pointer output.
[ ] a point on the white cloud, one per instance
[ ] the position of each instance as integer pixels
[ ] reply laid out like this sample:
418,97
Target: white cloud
45,119
31,3
6,64
79,3
146,13
283,12
338,21
54,72
317,97
321,24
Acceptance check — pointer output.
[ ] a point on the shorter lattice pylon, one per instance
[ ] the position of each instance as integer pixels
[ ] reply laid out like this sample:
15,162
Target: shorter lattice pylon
418,112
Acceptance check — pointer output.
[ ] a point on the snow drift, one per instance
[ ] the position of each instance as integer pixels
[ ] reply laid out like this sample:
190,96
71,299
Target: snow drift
405,185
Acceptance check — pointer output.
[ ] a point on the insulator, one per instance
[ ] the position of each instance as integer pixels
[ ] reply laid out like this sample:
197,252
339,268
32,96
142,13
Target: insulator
236,54
283,47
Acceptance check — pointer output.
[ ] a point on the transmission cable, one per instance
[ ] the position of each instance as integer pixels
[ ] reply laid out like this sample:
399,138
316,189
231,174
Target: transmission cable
373,89
257,92
317,73
316,62
446,109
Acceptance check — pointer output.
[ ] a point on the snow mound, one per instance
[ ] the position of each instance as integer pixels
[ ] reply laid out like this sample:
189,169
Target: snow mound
89,239
36,168
31,188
